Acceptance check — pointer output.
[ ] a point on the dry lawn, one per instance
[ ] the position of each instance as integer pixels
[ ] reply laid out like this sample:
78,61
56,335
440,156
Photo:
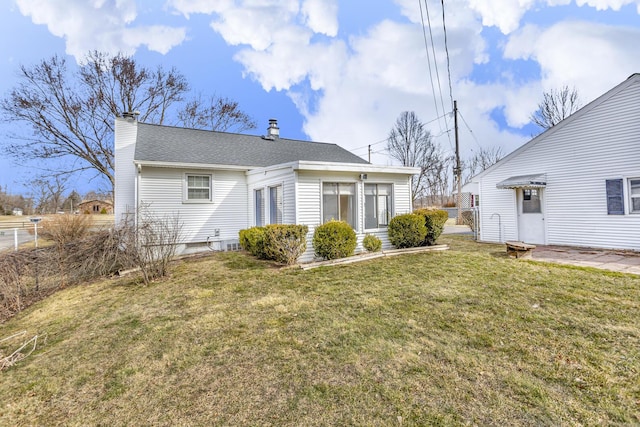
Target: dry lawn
464,336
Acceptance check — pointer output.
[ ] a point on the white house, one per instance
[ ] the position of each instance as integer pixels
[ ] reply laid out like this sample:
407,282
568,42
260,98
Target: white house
576,184
219,183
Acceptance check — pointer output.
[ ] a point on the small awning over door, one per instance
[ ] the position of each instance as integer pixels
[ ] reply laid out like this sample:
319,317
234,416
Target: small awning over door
524,181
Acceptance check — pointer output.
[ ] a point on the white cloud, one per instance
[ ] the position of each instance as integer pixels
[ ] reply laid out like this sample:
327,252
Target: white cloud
507,15
99,25
592,57
321,16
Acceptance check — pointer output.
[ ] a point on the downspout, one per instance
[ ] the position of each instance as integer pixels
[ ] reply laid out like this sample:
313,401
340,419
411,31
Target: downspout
137,193
499,225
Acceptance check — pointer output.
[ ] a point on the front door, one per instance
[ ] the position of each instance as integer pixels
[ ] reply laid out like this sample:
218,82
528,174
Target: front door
531,215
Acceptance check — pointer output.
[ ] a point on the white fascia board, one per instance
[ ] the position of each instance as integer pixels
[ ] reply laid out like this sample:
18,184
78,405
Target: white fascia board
354,167
190,165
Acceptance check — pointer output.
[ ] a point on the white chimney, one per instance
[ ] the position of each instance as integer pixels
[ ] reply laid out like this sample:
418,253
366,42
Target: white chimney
273,131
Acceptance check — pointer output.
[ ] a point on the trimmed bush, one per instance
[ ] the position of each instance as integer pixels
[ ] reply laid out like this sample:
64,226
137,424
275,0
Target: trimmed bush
434,220
334,239
407,231
252,240
284,243
371,243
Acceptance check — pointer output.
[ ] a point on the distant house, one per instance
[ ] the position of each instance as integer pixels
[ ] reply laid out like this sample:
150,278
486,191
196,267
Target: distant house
16,212
95,207
576,184
219,183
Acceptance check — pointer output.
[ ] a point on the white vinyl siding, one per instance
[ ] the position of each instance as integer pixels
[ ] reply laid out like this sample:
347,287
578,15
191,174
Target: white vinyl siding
162,190
577,156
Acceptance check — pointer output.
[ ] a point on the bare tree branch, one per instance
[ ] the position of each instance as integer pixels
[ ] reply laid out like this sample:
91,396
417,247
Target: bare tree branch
556,105
411,144
71,114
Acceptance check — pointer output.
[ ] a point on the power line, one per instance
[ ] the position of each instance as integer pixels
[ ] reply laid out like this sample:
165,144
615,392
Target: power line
473,135
426,48
433,51
446,48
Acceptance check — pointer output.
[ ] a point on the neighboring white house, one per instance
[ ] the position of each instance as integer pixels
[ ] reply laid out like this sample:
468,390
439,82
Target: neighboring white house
577,183
219,183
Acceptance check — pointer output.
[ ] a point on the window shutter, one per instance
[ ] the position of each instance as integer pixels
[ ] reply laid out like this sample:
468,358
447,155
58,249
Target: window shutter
615,197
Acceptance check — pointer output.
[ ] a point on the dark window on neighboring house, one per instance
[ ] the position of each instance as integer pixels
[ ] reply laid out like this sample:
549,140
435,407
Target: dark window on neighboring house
96,208
615,197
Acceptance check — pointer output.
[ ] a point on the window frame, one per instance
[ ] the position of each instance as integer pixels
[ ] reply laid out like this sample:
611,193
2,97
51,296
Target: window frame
391,203
615,194
528,196
186,188
631,196
259,208
271,207
354,203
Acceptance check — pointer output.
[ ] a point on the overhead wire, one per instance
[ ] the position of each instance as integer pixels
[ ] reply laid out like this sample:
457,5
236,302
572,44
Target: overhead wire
446,49
426,48
435,61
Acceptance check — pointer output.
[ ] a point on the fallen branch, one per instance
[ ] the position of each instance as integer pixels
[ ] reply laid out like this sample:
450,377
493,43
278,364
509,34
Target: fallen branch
18,355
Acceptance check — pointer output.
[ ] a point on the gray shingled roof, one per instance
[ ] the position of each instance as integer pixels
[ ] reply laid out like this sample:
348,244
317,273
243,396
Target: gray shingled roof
179,145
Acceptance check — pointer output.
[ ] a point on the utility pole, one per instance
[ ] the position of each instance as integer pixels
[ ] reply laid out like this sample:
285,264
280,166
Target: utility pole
458,169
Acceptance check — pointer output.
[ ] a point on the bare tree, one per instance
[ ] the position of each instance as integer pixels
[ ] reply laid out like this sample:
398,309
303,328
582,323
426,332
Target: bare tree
71,113
48,192
221,114
481,160
556,105
410,143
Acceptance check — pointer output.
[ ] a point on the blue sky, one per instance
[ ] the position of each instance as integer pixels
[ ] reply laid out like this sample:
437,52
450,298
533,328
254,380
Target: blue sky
343,70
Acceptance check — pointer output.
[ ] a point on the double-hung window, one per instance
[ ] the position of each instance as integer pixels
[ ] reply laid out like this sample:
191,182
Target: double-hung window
377,205
339,202
634,195
198,188
275,204
615,197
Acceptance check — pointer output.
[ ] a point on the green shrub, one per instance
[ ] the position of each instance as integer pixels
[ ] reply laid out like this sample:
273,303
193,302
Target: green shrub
334,239
284,243
253,241
407,231
371,243
103,211
434,220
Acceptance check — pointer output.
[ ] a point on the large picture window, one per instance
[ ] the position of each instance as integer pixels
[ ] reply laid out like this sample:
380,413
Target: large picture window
339,202
634,195
275,205
377,205
198,188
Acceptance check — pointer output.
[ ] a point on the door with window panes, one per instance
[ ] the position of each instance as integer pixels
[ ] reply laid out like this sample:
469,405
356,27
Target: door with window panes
531,215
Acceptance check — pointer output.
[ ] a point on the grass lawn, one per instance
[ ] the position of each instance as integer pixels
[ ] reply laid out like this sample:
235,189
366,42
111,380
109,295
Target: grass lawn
464,336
